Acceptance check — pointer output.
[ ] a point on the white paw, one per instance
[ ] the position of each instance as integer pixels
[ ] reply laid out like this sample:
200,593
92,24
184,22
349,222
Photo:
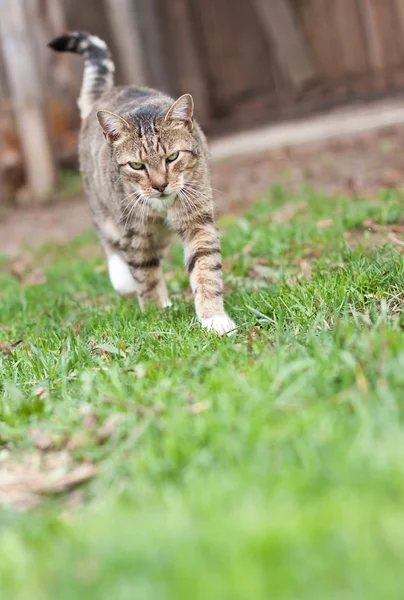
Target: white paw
120,275
221,324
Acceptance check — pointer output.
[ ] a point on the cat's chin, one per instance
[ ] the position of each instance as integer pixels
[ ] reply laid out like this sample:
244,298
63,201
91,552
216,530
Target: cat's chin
163,203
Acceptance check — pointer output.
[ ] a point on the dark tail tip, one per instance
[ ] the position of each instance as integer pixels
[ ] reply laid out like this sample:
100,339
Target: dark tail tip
70,42
63,43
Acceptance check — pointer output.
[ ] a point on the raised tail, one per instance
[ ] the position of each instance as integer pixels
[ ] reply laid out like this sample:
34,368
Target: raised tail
98,66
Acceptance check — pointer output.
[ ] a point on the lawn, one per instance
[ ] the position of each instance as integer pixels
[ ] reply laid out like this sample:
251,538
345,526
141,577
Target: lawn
265,465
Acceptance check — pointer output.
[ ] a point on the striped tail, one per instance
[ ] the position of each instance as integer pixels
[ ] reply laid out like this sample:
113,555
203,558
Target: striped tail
98,67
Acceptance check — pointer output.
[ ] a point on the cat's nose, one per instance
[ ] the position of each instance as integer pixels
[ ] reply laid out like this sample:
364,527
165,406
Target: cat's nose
160,187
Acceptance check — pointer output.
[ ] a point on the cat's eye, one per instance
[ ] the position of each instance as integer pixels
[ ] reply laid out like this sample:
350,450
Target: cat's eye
136,166
172,157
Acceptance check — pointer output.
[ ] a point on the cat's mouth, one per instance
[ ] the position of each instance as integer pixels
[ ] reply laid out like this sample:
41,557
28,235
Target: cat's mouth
163,195
162,200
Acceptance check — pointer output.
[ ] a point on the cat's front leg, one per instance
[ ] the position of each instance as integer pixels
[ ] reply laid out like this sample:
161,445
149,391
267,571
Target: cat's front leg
150,284
203,260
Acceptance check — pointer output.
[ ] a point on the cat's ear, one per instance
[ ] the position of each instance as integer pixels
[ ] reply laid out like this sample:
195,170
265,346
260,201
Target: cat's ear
181,110
112,125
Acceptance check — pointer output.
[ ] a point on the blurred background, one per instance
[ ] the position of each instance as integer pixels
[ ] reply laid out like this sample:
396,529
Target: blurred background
247,63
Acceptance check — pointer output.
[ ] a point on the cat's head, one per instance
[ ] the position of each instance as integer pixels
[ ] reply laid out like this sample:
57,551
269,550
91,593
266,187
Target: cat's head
155,148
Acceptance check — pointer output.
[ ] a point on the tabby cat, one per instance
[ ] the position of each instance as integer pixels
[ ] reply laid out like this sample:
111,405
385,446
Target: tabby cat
144,162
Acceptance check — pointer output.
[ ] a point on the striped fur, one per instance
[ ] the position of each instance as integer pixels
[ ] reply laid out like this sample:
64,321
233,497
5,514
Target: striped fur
144,162
98,67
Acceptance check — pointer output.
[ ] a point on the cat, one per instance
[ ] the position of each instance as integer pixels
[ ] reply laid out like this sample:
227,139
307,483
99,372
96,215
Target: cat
145,167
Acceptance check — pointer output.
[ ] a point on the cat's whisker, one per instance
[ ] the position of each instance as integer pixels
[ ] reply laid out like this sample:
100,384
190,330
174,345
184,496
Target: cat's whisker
131,195
190,209
185,204
200,191
197,197
132,208
118,207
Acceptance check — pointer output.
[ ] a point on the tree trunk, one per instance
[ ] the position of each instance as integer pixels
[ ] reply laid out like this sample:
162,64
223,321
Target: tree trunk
23,76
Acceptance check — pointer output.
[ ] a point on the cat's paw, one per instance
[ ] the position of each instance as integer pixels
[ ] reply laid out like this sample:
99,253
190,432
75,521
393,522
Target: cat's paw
221,324
166,303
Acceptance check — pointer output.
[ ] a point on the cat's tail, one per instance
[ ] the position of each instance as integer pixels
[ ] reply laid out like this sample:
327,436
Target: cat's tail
98,66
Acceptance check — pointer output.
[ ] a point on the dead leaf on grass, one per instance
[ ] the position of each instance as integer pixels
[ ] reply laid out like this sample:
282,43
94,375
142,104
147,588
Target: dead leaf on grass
36,277
263,271
79,439
9,347
44,440
105,350
41,392
27,478
284,214
395,239
325,223
25,270
90,420
197,407
101,269
108,428
306,268
20,265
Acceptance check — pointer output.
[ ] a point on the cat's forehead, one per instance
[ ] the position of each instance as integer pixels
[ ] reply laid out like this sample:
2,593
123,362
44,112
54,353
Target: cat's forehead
152,135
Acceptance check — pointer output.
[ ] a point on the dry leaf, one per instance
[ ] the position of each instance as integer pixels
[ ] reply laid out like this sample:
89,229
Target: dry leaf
25,479
73,478
108,428
394,239
20,265
197,408
90,420
325,223
8,347
284,214
43,440
36,277
306,268
41,392
105,349
80,439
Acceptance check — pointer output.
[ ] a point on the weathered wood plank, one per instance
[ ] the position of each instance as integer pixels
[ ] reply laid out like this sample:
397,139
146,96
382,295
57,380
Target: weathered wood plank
187,64
384,11
280,23
320,32
237,58
349,30
124,22
372,37
154,44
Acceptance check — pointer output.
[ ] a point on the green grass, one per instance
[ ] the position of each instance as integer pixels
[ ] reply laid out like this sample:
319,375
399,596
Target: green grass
267,465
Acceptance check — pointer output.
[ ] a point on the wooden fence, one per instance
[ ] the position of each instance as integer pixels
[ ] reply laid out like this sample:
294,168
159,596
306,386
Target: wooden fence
246,62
